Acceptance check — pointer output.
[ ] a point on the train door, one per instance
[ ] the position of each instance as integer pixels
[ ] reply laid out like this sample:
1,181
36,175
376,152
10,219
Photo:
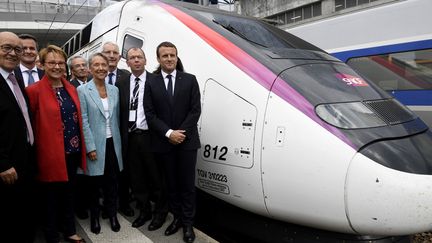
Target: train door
227,132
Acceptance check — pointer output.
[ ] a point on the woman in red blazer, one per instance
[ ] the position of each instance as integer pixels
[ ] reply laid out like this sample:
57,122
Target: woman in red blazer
59,143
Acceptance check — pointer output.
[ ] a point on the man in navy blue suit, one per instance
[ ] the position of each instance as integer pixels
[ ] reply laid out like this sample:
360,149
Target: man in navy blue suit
27,71
172,108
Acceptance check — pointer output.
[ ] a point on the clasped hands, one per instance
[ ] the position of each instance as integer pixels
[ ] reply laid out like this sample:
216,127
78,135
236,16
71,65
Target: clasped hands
177,137
9,176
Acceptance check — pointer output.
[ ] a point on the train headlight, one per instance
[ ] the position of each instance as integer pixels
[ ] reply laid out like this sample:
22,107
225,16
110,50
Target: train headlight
352,115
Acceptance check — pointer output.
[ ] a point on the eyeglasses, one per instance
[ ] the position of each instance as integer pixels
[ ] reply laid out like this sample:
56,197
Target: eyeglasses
8,48
53,64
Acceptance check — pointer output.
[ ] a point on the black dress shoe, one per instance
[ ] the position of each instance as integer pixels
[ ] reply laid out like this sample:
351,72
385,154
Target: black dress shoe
115,225
188,234
126,210
157,222
173,227
95,225
142,218
82,214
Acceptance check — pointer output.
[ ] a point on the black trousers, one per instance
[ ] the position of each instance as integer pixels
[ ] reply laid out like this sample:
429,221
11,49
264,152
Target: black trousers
58,203
180,173
18,211
147,177
108,183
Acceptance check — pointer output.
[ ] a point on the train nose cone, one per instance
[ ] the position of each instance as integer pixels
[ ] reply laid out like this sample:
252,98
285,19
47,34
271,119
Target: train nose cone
389,187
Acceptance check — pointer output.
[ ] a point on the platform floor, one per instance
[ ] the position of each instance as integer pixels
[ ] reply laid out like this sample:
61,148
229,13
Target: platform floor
128,234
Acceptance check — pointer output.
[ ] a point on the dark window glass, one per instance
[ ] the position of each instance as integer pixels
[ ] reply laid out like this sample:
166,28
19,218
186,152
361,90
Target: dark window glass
289,17
351,3
130,42
397,71
85,37
317,9
77,42
307,12
363,1
66,49
298,15
339,5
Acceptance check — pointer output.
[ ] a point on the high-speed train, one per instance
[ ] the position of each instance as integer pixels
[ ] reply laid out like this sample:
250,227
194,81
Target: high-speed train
287,131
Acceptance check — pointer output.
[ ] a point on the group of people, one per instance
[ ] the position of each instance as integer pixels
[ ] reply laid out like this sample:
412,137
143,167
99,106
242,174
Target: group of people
105,134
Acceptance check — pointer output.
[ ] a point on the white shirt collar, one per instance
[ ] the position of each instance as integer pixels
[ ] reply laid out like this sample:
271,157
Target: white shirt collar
173,74
24,68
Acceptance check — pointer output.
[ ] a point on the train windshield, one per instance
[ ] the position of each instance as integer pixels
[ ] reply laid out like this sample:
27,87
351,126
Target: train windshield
397,71
257,32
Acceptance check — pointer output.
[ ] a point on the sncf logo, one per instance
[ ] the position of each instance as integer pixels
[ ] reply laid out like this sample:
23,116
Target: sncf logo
351,80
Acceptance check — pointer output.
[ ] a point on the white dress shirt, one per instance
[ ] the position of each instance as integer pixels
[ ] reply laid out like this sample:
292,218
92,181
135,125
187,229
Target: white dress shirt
141,122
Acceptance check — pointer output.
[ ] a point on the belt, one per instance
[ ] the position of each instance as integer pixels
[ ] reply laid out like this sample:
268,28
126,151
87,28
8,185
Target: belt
139,131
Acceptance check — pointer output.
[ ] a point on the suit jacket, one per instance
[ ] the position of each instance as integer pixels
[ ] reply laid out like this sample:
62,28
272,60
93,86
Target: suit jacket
182,114
19,76
121,74
14,149
124,91
75,83
94,125
48,126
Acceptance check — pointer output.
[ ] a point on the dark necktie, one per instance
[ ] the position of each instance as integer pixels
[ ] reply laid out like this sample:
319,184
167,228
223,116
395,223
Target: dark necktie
30,77
110,78
170,86
23,106
134,104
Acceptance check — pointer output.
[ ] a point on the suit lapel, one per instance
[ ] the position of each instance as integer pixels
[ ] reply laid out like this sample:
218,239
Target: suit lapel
177,86
126,92
4,87
94,94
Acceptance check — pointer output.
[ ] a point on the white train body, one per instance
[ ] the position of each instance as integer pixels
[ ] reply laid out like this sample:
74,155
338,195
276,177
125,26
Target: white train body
264,148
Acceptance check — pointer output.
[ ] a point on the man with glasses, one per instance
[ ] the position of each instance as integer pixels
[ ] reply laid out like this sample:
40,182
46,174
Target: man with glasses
145,174
27,69
17,166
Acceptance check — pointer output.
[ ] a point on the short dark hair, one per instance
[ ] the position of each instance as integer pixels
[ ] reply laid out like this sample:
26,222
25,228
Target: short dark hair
165,44
27,37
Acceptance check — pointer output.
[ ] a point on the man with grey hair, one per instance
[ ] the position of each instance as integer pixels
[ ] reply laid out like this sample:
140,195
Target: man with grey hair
112,52
79,68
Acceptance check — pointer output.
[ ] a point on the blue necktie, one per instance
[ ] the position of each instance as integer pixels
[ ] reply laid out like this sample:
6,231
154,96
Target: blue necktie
170,86
110,78
30,77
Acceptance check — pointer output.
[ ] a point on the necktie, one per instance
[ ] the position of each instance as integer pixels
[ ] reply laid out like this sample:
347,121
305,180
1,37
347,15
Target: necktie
110,78
134,103
170,86
22,104
135,92
30,77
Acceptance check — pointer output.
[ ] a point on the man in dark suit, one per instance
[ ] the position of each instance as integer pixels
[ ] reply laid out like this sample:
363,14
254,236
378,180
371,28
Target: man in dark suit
172,108
16,139
27,70
145,174
112,52
79,68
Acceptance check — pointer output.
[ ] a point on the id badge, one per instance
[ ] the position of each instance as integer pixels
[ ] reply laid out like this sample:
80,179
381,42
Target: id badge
132,115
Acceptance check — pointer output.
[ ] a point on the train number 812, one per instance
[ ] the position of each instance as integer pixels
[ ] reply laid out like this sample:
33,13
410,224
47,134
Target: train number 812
217,153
